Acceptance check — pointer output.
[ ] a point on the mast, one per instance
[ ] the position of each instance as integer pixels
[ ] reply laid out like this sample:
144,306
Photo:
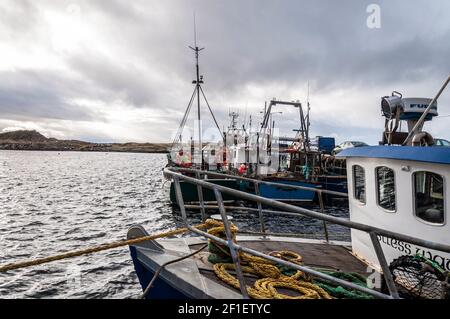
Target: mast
307,118
198,82
198,90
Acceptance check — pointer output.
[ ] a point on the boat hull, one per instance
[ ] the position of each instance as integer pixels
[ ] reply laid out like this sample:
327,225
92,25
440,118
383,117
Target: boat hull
335,184
287,193
160,288
190,192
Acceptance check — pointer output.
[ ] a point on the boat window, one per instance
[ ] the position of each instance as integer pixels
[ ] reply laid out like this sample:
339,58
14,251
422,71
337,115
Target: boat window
385,188
429,197
359,183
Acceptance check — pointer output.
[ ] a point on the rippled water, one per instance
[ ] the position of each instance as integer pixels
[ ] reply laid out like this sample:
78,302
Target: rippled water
54,202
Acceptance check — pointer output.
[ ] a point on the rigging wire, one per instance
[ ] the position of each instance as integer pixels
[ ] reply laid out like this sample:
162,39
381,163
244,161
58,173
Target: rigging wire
210,110
183,121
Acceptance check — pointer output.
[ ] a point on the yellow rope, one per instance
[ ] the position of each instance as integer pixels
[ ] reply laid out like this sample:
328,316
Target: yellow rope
91,250
271,277
306,289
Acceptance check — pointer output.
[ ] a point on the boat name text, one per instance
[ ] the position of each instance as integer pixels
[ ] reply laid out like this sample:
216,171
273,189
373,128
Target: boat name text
410,249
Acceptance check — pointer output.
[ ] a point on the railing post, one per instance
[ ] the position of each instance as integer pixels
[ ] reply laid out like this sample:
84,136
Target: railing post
322,210
179,196
200,197
384,266
234,252
260,212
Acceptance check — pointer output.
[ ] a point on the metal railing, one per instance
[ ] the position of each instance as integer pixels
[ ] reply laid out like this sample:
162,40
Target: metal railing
256,182
294,211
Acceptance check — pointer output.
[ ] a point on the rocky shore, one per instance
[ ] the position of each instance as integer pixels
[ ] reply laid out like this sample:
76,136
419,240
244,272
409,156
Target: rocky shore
35,141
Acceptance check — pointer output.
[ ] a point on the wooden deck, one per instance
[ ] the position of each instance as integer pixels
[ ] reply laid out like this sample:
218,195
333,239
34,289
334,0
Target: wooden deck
316,255
333,257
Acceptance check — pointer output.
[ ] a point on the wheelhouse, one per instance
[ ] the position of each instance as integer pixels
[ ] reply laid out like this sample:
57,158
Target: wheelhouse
401,189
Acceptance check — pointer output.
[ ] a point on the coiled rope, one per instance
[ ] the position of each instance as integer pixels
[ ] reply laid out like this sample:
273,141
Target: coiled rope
271,277
86,251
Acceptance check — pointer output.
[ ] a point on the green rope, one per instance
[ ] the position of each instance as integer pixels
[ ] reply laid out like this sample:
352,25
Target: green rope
285,270
340,292
216,259
216,255
430,262
212,248
343,293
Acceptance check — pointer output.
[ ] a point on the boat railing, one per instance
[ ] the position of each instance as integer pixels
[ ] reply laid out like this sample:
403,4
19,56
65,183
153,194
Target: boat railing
256,182
293,211
200,173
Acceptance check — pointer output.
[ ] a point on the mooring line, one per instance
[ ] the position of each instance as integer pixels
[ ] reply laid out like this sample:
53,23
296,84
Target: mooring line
86,251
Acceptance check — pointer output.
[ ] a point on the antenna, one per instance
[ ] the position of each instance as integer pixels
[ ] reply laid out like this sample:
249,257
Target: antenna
308,108
245,115
197,82
307,95
195,32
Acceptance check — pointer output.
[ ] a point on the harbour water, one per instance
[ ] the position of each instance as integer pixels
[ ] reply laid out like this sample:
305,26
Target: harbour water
52,202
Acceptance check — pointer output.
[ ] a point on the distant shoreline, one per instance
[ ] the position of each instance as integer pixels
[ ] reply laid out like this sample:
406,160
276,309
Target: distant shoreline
34,141
85,151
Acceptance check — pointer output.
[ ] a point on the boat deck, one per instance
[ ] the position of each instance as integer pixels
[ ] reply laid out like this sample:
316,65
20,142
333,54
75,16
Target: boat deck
320,255
194,277
332,257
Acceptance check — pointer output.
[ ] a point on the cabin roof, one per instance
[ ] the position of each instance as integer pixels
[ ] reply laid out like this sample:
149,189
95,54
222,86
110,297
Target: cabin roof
440,155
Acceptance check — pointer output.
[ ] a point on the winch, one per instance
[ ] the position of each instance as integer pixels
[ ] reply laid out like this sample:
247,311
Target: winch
396,108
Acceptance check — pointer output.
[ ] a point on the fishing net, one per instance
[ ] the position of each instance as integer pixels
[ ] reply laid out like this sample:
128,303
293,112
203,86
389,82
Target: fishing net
419,277
340,292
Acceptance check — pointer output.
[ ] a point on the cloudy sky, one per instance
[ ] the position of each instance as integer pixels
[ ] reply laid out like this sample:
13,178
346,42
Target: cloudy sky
111,70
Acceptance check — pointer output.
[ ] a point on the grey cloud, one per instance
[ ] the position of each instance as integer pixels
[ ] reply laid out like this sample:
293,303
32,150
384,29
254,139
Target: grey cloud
12,16
257,42
115,78
328,42
30,94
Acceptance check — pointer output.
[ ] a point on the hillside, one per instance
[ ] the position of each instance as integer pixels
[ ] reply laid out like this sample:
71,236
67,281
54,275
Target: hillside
33,140
31,136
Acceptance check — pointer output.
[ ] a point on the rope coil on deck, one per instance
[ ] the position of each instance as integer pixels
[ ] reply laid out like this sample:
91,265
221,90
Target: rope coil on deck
271,277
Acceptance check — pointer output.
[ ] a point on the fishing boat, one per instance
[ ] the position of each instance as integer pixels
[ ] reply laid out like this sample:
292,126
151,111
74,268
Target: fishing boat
400,244
253,154
195,153
295,160
240,151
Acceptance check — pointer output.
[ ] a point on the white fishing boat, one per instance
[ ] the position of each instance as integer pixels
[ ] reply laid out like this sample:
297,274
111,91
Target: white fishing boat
401,185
